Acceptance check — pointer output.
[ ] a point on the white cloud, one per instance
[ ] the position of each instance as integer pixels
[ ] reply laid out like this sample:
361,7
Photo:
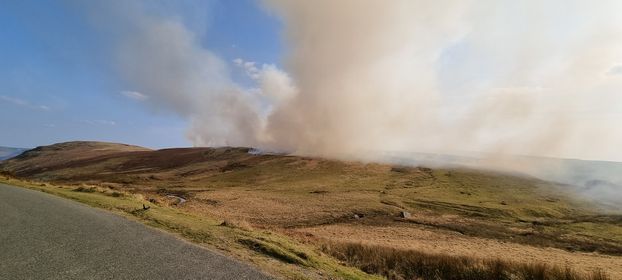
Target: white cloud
13,100
23,103
105,122
134,95
100,122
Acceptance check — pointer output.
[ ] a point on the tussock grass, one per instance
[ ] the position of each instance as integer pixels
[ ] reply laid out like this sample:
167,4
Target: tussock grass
240,224
410,264
83,189
116,194
274,251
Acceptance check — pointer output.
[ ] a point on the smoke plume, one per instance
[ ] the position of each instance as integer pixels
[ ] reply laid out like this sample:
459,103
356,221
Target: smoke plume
365,78
491,76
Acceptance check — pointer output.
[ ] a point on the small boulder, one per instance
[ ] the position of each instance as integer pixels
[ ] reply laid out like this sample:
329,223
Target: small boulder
405,215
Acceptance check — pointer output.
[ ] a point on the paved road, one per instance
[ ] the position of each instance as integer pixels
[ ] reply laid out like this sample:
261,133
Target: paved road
47,237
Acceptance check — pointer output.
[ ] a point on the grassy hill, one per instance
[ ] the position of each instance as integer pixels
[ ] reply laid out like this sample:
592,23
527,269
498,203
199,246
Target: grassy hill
319,200
600,181
59,156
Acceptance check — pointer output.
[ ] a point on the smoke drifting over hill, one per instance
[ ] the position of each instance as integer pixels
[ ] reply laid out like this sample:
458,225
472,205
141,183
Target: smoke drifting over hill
499,77
492,76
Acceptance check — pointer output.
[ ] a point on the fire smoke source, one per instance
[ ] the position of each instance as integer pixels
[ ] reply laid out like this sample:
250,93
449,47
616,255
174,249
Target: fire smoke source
492,76
500,77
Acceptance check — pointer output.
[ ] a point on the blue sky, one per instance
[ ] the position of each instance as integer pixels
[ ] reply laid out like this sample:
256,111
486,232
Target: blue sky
56,84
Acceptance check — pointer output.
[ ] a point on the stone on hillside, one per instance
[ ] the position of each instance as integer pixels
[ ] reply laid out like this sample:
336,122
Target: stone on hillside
405,215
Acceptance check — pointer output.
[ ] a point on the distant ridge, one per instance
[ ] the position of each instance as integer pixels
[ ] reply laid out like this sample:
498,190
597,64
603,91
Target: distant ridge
10,152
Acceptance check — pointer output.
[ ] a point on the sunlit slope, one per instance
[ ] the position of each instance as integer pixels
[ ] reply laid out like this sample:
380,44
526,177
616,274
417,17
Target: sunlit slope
64,155
295,192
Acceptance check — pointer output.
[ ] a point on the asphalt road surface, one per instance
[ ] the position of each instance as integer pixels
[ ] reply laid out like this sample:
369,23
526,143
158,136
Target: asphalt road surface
47,237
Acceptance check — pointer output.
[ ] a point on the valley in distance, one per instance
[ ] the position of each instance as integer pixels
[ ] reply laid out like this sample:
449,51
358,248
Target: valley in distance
298,217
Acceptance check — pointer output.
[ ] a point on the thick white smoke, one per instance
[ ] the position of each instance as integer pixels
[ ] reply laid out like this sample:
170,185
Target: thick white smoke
528,77
364,77
501,78
371,79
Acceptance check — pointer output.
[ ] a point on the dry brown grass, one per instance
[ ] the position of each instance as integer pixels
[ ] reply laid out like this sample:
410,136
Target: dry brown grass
425,239
292,194
409,264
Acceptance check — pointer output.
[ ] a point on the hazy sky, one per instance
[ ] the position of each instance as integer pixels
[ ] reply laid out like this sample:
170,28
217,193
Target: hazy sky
56,83
322,77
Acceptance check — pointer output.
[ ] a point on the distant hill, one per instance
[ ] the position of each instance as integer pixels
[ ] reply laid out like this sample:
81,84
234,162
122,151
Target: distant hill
72,161
8,152
66,154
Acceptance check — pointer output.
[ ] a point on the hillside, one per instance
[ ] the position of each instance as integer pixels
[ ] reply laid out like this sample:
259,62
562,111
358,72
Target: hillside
8,152
600,181
455,211
64,155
